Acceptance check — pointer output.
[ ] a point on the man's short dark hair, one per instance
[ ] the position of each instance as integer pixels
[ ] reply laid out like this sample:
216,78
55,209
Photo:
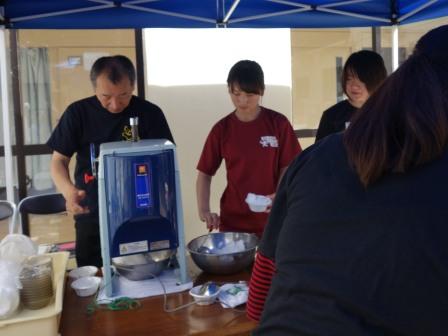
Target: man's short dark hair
115,67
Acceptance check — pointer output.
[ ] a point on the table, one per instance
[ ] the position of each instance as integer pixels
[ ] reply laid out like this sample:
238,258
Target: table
150,318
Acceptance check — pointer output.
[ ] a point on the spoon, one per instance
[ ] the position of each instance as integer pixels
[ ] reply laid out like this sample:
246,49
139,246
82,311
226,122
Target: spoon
204,249
209,289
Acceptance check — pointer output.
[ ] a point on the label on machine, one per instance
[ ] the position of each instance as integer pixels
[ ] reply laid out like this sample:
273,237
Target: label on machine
134,247
159,245
143,197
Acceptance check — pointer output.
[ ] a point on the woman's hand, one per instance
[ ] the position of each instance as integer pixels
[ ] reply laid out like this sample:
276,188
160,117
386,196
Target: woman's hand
268,208
211,219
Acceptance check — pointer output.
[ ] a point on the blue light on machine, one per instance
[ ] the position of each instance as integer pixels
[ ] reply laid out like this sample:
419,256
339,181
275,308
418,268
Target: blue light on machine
143,197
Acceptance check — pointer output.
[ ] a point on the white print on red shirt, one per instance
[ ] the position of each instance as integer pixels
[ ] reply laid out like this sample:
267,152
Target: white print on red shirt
268,140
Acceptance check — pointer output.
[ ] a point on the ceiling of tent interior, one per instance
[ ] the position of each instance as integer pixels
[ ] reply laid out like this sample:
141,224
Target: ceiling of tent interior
91,14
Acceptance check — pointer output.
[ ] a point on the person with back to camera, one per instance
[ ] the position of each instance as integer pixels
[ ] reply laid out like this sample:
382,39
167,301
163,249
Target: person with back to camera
104,117
257,145
356,239
363,73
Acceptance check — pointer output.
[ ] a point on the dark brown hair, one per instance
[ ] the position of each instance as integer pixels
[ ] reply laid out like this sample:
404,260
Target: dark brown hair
367,66
248,75
405,122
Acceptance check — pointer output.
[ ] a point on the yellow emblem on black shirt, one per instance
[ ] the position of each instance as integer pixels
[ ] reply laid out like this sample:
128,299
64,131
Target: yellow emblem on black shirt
127,133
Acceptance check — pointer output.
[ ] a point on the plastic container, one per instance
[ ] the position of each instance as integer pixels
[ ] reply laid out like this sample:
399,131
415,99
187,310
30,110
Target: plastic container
37,284
203,299
258,203
44,321
82,272
86,286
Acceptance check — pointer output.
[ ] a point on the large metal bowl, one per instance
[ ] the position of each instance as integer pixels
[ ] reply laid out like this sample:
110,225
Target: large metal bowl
142,266
223,252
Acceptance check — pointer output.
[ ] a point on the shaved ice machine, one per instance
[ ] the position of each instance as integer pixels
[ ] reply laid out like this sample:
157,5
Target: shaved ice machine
140,203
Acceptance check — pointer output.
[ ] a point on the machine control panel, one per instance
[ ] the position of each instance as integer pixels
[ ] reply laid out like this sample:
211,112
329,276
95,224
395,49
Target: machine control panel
143,197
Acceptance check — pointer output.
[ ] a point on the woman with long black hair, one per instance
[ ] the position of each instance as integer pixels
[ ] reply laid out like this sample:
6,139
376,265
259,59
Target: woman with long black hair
363,73
356,240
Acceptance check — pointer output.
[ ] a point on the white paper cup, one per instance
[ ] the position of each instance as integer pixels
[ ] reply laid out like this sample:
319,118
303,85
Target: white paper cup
82,272
86,286
258,203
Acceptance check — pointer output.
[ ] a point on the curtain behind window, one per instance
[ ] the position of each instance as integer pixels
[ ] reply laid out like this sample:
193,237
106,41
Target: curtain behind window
36,107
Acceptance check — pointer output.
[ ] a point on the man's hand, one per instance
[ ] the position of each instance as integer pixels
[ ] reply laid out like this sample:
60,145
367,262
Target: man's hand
73,202
61,177
211,219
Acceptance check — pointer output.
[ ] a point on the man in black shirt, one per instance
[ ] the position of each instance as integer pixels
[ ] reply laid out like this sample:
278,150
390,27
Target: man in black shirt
101,118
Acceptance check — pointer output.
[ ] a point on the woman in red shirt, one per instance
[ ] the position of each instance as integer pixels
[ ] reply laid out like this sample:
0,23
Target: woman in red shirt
256,143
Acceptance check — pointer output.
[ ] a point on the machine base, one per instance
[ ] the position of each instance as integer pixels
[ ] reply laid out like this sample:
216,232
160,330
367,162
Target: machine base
144,288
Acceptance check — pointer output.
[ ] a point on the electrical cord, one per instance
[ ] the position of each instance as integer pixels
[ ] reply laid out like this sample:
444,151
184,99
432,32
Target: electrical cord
121,303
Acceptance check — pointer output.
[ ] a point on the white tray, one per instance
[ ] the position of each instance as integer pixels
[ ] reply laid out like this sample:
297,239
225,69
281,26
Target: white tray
44,321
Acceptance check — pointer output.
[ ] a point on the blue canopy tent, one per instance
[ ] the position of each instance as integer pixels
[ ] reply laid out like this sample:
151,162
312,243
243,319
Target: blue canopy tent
91,14
108,14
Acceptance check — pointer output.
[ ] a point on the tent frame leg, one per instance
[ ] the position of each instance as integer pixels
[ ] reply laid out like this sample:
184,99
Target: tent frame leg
395,47
5,116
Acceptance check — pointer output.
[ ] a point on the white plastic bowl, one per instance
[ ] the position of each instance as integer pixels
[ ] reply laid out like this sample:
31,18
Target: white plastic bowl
258,203
82,272
203,300
86,286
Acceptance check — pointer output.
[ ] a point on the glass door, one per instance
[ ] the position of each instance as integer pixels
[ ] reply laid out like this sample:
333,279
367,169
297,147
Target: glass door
50,69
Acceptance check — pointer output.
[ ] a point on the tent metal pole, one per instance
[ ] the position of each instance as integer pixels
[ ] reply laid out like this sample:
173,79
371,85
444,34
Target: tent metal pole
417,10
231,10
140,63
263,16
343,3
135,2
290,3
59,13
5,112
361,16
376,39
394,47
167,13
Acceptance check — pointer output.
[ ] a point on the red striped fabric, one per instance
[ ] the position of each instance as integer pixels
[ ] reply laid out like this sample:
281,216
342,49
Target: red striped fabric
260,282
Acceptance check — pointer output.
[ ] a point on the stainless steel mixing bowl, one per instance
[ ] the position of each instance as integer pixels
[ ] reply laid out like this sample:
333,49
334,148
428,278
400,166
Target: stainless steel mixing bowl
144,265
223,252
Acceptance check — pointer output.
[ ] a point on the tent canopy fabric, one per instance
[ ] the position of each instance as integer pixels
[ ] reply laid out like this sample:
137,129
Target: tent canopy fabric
108,14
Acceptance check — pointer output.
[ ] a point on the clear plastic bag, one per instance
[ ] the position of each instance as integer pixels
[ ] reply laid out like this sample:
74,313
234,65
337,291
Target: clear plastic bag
9,288
233,294
16,248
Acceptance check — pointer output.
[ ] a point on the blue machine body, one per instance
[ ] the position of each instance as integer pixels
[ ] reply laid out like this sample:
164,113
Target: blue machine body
140,192
139,201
